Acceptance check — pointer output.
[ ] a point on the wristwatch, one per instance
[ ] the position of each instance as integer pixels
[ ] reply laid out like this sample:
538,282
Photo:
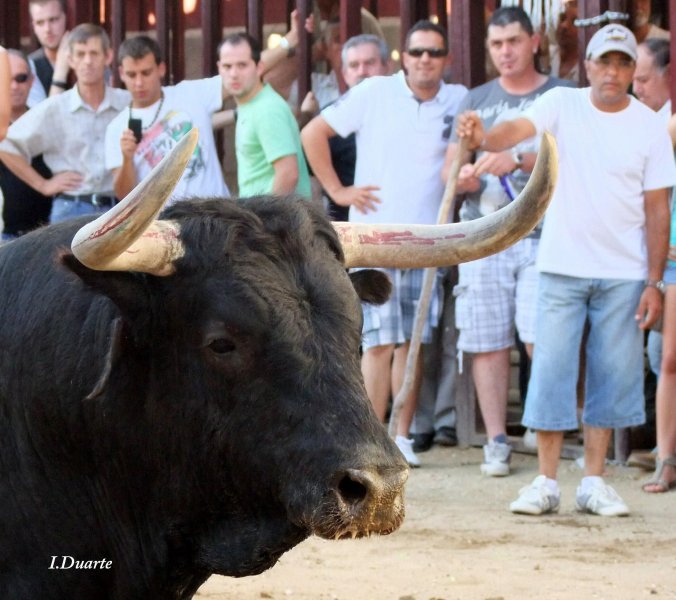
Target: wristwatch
658,285
517,157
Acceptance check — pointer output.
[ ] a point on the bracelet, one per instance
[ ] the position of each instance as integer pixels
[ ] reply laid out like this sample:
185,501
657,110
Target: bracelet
60,84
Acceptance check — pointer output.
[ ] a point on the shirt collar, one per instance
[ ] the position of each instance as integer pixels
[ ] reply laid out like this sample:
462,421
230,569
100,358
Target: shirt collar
75,101
407,91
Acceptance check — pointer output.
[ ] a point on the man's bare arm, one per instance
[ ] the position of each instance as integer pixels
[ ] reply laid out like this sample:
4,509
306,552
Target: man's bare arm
286,174
657,219
315,137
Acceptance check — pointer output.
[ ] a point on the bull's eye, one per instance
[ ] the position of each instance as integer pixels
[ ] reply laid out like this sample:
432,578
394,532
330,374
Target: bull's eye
221,346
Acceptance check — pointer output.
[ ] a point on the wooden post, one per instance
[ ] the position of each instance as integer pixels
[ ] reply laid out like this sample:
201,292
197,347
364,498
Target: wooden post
177,42
211,35
162,27
117,16
467,34
350,19
254,19
304,54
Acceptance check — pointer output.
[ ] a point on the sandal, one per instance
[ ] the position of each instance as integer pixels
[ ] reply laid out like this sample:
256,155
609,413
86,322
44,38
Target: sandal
658,480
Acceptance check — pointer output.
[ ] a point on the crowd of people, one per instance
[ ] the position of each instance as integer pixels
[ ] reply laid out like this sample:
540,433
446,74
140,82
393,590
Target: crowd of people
381,145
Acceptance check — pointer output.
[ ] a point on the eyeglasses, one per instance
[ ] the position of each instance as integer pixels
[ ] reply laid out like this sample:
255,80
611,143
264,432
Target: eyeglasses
433,52
20,78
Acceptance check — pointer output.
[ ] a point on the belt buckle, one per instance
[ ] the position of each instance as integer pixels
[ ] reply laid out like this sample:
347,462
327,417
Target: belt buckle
99,201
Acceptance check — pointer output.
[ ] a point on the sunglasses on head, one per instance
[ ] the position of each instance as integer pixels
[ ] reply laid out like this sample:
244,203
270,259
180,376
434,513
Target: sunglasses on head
20,78
433,52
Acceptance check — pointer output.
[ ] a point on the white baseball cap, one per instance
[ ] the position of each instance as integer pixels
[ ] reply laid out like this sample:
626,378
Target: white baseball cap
612,38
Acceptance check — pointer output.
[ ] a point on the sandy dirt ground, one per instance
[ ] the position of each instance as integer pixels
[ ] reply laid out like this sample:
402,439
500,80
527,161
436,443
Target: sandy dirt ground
460,542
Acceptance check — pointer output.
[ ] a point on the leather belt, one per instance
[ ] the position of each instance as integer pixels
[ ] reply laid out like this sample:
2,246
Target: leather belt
93,199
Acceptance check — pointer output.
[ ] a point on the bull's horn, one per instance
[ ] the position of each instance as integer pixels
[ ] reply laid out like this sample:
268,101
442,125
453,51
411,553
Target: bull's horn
127,237
418,246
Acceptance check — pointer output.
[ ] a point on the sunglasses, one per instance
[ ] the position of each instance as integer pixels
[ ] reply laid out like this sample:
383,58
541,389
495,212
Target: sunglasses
20,78
433,52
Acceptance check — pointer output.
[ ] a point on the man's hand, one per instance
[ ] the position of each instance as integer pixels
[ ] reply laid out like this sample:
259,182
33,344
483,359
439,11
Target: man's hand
494,163
468,182
649,307
471,128
361,198
309,104
128,144
61,66
65,181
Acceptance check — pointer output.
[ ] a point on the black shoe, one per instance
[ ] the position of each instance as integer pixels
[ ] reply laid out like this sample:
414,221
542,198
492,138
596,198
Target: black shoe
446,436
422,442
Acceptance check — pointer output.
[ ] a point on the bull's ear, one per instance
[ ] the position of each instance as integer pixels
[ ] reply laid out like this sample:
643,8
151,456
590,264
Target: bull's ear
373,287
128,291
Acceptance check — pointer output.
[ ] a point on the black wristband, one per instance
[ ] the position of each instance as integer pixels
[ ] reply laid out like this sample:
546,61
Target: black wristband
60,84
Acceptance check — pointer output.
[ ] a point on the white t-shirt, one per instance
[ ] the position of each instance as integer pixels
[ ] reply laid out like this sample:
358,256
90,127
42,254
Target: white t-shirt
595,224
401,145
186,105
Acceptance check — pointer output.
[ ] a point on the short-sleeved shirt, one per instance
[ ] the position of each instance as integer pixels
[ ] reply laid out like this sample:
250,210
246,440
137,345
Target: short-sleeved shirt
401,145
184,106
267,131
70,135
595,224
494,105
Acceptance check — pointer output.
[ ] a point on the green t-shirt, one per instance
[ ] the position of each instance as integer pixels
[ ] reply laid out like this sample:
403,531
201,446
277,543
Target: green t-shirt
266,131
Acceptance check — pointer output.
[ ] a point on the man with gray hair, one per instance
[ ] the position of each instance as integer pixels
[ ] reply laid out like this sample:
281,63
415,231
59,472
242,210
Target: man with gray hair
69,131
652,78
363,56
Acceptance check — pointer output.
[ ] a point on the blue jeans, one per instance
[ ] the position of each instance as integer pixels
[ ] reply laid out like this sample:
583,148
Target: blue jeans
67,209
614,376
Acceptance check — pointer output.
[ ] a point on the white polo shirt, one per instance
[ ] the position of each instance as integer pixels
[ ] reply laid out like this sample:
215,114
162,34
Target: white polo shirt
401,145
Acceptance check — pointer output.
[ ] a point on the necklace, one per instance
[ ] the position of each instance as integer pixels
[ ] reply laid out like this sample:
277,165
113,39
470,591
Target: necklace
157,112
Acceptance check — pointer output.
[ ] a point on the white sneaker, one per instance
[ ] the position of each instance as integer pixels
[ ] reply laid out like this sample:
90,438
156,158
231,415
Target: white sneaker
536,499
496,459
600,499
406,448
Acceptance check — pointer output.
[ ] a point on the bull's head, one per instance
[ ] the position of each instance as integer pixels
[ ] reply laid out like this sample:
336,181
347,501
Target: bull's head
129,238
307,342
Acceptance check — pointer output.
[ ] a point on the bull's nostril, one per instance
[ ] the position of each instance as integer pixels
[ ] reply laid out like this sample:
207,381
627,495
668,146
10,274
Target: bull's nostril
352,491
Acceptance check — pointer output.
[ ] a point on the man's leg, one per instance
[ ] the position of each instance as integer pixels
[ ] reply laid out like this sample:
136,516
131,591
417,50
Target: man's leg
596,441
613,396
550,403
491,379
376,367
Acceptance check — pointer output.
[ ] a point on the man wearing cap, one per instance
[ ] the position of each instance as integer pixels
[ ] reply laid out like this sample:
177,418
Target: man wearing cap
601,258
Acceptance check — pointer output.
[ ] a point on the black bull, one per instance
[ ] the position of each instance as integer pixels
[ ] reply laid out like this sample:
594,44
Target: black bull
162,424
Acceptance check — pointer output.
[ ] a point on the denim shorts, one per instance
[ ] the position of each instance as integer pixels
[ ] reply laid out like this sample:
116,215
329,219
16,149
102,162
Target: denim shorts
67,209
493,295
614,374
392,322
